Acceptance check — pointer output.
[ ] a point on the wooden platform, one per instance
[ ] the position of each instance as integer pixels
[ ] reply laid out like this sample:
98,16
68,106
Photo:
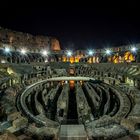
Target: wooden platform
72,132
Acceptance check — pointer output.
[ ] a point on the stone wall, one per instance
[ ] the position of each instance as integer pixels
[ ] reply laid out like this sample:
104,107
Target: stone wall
20,39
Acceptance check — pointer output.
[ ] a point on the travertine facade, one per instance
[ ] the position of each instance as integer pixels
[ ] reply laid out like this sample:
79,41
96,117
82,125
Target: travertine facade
17,40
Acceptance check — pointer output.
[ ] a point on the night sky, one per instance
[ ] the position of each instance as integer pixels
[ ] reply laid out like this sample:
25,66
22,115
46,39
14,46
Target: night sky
77,27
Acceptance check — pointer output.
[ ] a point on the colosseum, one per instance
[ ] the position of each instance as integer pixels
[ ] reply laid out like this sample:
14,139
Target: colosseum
47,93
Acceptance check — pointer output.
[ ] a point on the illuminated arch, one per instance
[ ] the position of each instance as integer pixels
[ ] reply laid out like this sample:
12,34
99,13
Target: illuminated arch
128,56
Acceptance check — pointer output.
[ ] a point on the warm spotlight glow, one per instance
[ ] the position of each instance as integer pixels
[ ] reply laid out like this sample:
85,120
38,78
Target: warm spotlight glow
71,60
90,52
69,53
7,50
108,52
133,49
64,59
71,83
23,51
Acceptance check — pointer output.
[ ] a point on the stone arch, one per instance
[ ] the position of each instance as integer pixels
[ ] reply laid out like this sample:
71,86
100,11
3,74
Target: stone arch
109,74
137,126
128,56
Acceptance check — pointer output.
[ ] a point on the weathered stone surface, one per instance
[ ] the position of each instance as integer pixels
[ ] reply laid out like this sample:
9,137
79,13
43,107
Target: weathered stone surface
130,122
8,136
16,39
20,122
55,46
42,131
14,116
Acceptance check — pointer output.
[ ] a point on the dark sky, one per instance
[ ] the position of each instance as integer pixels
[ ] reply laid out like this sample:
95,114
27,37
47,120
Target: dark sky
76,27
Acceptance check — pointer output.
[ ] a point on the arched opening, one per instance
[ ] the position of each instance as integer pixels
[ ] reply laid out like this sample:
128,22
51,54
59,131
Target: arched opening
137,126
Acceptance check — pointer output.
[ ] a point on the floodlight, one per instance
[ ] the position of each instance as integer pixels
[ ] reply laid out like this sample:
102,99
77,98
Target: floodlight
69,53
44,53
108,51
90,52
7,50
133,49
23,51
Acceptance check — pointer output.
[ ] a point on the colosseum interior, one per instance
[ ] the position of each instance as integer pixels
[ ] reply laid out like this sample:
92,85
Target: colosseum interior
51,94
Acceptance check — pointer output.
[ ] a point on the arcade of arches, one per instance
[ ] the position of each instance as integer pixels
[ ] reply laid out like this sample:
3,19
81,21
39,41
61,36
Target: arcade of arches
56,97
